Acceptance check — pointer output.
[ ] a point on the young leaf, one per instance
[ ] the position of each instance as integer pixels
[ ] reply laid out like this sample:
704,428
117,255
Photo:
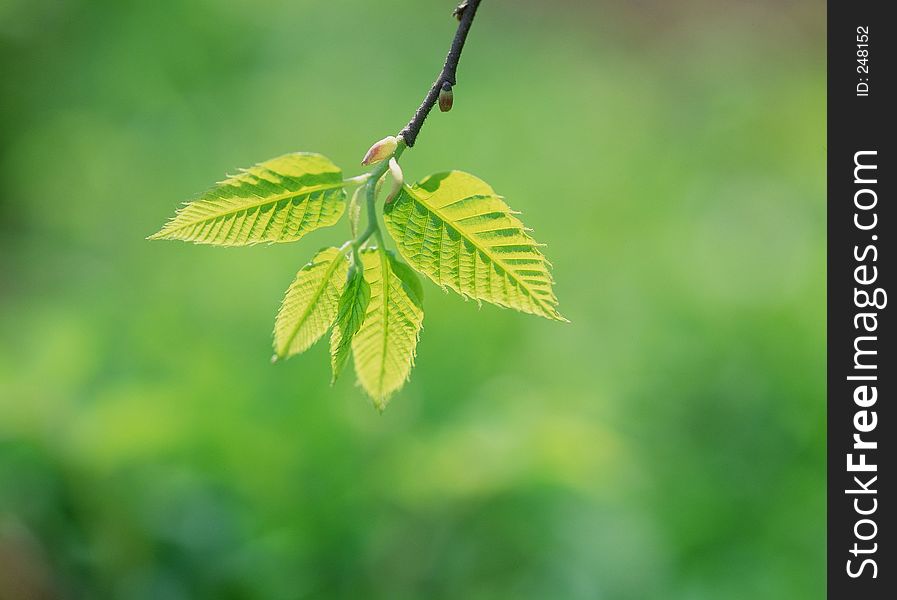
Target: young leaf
275,201
456,230
385,346
355,210
353,305
311,302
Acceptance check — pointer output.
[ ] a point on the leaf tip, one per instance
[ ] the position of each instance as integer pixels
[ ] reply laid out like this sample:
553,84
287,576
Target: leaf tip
334,373
553,315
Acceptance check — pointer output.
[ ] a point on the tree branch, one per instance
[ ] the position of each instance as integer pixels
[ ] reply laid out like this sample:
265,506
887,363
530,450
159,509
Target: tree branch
465,12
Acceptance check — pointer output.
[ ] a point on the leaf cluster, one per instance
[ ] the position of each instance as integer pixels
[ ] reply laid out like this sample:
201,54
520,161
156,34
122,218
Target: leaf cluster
449,227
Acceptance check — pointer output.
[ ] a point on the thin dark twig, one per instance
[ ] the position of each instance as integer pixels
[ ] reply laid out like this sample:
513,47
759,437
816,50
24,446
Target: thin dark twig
466,11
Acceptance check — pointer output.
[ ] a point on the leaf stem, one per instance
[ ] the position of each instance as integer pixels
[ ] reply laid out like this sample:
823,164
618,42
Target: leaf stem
370,191
357,180
465,12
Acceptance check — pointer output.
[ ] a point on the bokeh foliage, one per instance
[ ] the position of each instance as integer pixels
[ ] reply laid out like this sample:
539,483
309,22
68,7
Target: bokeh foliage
668,443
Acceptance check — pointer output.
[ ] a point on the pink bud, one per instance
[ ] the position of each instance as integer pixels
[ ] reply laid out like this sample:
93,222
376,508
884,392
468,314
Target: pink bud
381,150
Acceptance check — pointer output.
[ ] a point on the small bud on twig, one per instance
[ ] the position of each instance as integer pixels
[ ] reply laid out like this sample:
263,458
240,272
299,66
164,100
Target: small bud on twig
446,97
458,13
381,150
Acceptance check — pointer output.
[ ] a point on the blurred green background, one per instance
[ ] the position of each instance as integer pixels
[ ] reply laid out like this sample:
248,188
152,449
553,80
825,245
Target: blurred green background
668,443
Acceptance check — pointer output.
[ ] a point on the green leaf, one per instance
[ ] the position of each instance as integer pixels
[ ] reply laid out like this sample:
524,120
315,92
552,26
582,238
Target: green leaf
385,346
353,305
310,304
409,278
456,230
275,201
